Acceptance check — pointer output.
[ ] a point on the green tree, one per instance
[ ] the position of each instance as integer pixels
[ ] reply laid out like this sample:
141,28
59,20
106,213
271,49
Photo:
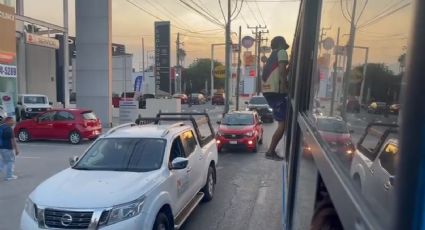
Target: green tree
200,71
383,84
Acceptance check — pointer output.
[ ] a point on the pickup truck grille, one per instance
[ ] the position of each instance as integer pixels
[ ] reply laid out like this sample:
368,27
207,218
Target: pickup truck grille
233,136
67,219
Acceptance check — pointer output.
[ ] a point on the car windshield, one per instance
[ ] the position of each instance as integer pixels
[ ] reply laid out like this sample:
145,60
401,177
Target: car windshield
238,119
124,154
258,101
89,115
35,100
333,126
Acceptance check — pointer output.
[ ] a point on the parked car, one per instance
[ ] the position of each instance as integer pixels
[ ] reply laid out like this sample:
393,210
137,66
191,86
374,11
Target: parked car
134,177
183,97
73,125
377,107
374,169
218,99
240,129
336,134
198,99
259,104
395,108
30,105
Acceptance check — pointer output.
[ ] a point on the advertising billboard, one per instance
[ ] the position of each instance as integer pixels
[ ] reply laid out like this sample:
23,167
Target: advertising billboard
8,71
162,58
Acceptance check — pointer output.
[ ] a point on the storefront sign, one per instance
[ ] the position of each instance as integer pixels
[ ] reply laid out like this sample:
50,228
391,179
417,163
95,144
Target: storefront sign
38,40
220,72
8,104
162,58
7,35
8,71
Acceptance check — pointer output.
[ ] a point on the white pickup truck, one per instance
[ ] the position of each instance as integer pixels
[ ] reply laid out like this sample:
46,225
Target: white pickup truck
149,176
374,164
30,105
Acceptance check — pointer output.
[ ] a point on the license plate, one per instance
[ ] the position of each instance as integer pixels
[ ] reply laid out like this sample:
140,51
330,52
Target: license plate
233,142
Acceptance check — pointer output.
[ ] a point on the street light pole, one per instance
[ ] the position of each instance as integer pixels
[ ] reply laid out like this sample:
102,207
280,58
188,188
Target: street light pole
348,71
364,73
212,66
65,55
227,58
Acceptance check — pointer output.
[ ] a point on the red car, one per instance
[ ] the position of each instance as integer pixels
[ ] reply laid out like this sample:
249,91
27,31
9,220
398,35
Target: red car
240,129
183,97
334,131
73,125
218,99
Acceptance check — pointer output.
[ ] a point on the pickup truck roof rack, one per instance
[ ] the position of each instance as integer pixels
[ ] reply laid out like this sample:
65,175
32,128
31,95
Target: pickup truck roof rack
119,127
180,117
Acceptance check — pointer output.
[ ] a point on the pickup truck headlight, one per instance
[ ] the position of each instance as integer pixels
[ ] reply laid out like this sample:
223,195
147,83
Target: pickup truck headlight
249,134
270,109
29,109
125,211
30,209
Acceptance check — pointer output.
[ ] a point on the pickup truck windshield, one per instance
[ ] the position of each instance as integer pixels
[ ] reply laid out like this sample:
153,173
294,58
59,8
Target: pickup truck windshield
124,154
238,119
35,100
258,101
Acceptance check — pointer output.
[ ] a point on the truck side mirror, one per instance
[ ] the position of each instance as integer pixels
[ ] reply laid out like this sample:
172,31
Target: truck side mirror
73,160
179,163
50,103
246,102
219,122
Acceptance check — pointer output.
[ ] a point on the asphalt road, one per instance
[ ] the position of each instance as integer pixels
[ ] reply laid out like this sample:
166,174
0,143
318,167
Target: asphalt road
248,192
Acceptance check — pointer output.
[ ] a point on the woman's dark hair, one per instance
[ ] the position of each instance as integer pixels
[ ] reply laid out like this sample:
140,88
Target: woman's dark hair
279,42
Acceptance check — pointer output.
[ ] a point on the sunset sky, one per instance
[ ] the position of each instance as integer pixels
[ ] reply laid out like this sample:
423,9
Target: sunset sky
129,23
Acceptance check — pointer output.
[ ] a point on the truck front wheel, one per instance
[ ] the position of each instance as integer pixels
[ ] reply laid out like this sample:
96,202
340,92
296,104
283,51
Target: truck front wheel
162,222
209,187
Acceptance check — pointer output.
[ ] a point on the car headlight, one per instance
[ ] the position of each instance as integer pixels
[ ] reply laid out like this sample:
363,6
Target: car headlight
125,211
219,133
29,109
30,209
270,110
249,134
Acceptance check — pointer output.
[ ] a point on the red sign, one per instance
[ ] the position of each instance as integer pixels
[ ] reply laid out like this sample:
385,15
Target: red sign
252,73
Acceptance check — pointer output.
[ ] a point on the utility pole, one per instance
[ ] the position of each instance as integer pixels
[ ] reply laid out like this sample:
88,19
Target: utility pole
238,74
364,72
260,40
348,71
65,56
228,58
257,52
335,74
143,57
176,72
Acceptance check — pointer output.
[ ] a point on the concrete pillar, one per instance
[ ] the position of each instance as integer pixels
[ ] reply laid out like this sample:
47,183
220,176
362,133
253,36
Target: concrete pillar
94,57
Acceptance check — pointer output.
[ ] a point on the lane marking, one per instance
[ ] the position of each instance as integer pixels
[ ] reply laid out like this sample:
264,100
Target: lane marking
24,157
261,198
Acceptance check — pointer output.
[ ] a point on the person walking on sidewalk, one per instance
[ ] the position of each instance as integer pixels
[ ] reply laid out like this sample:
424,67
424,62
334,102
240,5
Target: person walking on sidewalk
8,149
275,89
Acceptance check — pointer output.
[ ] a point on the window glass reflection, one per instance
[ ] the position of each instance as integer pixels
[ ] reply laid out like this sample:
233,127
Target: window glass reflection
355,97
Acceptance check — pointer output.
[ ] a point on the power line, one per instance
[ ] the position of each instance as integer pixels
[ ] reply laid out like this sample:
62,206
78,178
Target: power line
259,10
222,11
205,11
362,11
158,18
202,14
252,12
377,19
167,11
234,9
343,12
240,9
